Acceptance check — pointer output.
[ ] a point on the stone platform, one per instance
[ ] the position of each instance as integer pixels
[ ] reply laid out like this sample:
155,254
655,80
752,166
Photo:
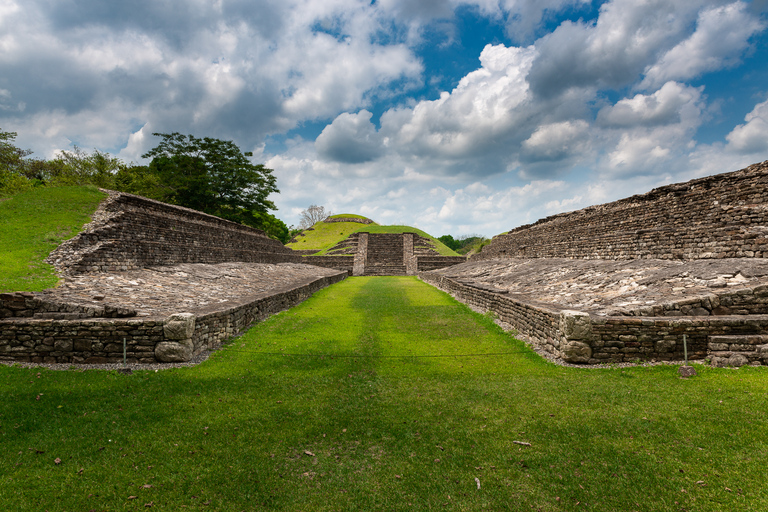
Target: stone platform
596,311
162,314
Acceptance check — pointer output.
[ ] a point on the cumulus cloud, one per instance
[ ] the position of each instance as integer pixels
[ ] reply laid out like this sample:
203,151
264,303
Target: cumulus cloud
752,136
665,106
350,138
555,142
614,50
722,34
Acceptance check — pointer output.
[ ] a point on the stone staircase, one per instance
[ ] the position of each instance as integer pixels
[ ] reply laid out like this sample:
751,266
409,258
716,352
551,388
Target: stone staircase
346,246
385,255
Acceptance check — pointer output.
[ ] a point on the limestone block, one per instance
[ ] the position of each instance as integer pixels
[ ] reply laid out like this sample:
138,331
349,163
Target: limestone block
576,352
665,345
762,352
174,351
575,325
179,326
83,345
737,360
63,345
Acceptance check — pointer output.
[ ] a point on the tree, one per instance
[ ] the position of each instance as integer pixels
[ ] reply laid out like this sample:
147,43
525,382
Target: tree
212,176
449,242
272,226
78,167
12,162
312,216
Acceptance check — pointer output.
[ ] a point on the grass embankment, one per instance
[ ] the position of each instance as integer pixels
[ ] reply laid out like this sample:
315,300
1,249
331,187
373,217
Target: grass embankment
383,394
32,224
325,235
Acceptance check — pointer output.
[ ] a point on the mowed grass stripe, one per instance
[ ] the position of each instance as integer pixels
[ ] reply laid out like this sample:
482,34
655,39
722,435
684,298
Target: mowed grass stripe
252,431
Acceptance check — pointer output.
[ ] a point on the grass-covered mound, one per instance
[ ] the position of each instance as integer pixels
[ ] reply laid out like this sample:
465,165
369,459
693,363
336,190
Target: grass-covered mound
324,235
383,394
35,222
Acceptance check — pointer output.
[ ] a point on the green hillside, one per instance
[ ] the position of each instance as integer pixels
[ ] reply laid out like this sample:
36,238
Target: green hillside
322,236
35,222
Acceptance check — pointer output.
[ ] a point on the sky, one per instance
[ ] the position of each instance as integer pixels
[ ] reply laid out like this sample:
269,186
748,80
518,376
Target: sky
456,117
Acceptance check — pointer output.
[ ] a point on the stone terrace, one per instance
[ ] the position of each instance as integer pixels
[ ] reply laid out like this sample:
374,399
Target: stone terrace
636,279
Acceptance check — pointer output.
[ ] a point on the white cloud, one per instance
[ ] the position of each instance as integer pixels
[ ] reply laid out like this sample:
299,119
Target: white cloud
557,141
614,50
752,136
722,34
665,106
350,138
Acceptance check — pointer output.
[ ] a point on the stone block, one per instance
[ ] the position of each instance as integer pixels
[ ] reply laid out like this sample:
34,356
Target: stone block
665,345
83,345
576,352
179,326
63,345
174,351
575,325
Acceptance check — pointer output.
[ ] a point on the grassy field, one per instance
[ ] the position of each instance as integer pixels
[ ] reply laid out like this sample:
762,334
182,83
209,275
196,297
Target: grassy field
32,224
325,235
383,394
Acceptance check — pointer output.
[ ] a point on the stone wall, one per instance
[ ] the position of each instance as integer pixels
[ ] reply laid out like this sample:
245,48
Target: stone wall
344,263
580,337
722,216
178,337
359,220
131,232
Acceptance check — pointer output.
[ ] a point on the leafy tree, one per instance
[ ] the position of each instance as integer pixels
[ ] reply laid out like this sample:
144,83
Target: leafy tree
312,216
449,242
212,176
78,167
273,226
12,161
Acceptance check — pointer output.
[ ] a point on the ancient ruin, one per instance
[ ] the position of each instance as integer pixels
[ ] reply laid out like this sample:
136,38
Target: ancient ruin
640,279
384,254
152,282
681,268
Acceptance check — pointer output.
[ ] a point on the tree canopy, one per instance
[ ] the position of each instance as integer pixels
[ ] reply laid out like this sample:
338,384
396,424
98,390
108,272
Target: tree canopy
212,176
205,174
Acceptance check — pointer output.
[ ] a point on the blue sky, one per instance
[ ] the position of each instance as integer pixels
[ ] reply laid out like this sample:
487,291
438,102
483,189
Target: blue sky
460,117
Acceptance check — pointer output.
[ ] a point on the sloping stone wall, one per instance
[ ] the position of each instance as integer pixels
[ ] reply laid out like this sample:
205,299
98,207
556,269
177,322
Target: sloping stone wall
722,216
175,338
580,337
131,232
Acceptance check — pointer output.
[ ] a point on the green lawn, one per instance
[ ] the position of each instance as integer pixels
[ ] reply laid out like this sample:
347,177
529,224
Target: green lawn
32,224
325,235
383,394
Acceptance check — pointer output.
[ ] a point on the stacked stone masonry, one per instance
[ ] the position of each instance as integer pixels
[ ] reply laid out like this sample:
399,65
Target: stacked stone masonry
579,337
131,232
148,241
722,216
27,336
384,254
707,219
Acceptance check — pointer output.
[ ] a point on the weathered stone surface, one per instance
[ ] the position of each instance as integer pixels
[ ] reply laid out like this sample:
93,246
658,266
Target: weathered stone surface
737,360
686,371
63,345
575,325
665,345
179,326
576,352
174,351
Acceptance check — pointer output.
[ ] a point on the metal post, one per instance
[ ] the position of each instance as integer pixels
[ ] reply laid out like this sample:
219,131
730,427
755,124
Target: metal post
685,349
124,351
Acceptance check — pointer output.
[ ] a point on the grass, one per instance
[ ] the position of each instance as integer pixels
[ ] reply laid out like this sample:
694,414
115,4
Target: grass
32,224
325,235
383,394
